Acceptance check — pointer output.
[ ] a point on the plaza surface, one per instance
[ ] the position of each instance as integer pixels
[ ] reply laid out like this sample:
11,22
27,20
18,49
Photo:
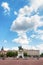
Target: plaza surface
29,61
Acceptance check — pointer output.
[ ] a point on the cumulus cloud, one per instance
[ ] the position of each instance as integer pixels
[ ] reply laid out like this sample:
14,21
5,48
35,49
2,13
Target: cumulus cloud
37,22
26,46
22,24
26,22
22,39
40,47
25,11
6,7
39,31
40,37
15,48
37,36
6,49
35,4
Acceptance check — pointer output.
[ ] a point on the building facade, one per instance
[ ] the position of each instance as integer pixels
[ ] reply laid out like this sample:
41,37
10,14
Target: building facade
32,52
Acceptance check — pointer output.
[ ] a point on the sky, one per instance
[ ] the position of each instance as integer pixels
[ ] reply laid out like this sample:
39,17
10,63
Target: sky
21,24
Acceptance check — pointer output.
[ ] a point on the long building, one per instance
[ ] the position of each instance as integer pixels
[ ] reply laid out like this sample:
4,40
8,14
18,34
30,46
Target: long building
32,52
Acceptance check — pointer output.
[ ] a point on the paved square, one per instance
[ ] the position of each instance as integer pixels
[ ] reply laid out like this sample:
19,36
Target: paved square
21,62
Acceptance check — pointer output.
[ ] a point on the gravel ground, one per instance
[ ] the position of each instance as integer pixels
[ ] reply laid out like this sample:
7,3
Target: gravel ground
21,61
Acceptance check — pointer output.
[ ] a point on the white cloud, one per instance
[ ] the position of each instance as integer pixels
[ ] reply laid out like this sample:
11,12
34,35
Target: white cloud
22,24
39,31
6,7
26,46
22,39
25,22
37,23
35,4
25,11
40,36
6,49
15,48
15,13
40,47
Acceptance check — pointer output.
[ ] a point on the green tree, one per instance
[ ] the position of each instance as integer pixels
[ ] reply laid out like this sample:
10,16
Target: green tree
1,55
41,55
2,48
25,54
15,53
11,54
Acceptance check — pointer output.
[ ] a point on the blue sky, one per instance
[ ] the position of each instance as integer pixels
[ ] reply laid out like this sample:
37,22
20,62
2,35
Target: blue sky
21,23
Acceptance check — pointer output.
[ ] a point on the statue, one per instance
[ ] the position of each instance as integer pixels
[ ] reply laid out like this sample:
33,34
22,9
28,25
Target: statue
20,52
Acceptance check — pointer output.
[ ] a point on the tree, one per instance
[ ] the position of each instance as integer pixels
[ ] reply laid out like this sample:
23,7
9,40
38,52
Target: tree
2,53
11,54
25,54
41,55
2,49
29,55
2,56
15,53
